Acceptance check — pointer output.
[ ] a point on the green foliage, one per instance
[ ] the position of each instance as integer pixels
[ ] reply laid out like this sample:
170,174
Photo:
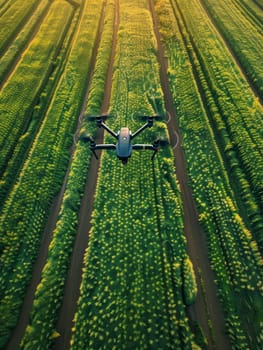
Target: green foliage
12,18
189,282
25,212
18,98
25,141
199,337
16,47
243,33
49,294
137,279
234,253
232,109
131,291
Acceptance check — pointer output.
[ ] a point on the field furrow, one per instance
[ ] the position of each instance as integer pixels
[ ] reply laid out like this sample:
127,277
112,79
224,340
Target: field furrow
228,238
17,100
160,250
209,319
12,19
65,233
37,115
137,286
4,5
244,37
259,4
25,213
13,54
233,117
98,101
252,12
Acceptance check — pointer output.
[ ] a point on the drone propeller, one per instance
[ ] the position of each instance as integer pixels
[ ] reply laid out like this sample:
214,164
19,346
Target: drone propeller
86,138
161,141
146,117
101,117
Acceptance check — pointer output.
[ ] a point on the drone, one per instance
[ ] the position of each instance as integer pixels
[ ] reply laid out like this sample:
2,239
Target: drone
124,137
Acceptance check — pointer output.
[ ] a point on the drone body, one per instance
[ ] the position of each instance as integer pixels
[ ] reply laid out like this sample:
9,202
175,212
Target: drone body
124,145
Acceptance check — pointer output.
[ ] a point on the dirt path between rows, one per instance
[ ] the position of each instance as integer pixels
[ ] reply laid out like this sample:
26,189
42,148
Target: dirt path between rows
207,306
72,287
23,321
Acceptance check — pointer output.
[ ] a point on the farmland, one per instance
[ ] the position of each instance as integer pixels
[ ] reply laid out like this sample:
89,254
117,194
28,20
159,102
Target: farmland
162,254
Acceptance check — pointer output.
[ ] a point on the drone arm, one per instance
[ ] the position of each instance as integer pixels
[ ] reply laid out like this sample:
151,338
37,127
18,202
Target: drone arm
94,147
105,146
140,130
95,154
104,126
145,126
154,153
149,124
139,146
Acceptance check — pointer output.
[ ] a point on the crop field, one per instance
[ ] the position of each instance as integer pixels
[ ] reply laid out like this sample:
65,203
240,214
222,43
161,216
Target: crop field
154,254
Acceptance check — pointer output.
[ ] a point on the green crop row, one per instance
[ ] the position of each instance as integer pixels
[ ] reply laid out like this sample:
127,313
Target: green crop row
234,254
22,147
49,294
132,291
189,280
4,4
12,20
27,208
237,121
259,3
248,259
238,110
97,88
244,38
252,11
15,49
21,92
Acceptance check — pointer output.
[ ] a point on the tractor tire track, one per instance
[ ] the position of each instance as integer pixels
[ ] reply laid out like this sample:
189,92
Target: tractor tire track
207,306
23,321
72,287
